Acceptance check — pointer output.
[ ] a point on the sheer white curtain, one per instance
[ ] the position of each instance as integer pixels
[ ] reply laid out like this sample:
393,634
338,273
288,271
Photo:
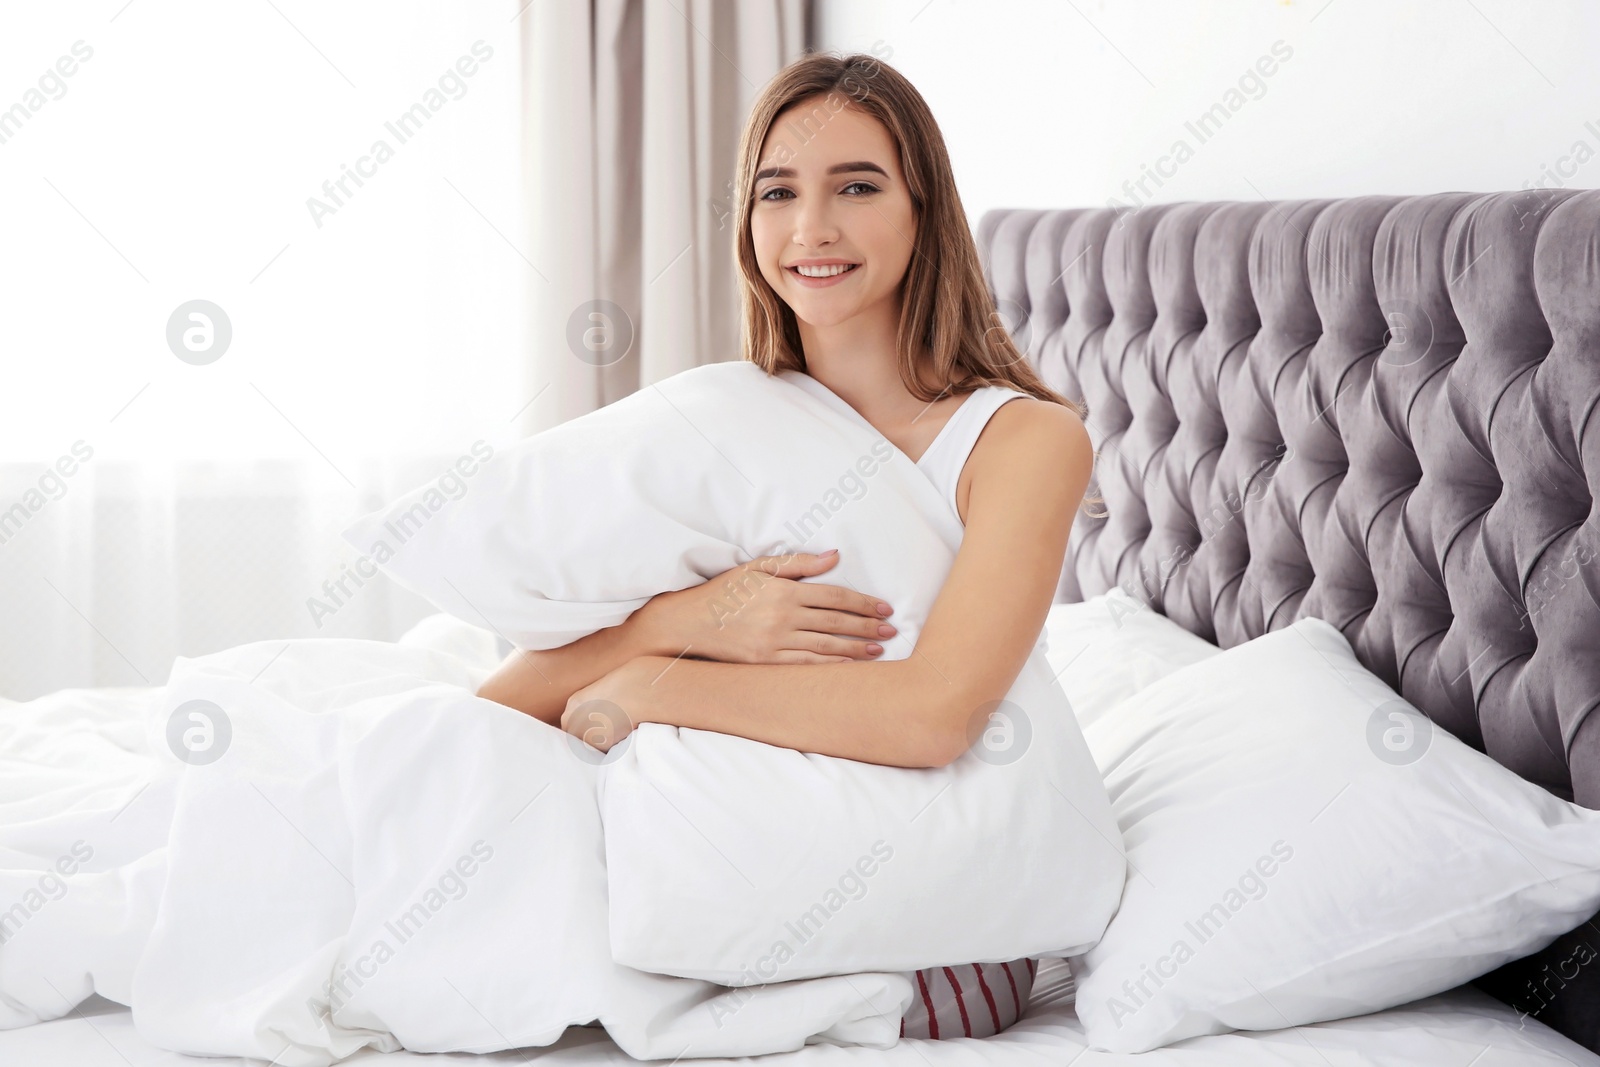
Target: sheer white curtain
419,231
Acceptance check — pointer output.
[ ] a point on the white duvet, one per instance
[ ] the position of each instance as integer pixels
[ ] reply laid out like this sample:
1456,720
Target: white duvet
356,851
378,858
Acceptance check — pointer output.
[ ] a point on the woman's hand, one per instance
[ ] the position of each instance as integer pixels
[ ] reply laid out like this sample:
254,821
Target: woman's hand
604,712
758,612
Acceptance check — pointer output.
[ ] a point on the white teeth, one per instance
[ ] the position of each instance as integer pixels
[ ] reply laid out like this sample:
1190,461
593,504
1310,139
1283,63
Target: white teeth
824,272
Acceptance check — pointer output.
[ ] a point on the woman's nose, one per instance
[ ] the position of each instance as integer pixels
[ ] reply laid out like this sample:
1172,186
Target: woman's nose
814,225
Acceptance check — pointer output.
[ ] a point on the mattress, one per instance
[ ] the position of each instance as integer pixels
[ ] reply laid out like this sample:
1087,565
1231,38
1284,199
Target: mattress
1460,1027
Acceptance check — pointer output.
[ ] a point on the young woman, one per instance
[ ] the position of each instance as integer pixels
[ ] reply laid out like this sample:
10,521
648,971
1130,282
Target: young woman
858,269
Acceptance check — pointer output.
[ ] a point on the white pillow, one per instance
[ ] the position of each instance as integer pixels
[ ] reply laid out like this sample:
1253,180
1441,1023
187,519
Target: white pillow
1107,648
743,863
1304,845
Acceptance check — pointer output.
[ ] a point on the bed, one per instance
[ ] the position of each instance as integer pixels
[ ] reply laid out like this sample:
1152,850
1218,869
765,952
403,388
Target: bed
1208,339
1462,1026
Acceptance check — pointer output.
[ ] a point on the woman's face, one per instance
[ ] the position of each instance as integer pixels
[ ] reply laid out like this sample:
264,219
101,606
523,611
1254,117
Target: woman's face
829,189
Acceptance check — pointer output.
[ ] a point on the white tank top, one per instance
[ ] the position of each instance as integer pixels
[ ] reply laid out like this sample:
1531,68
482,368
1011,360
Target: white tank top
947,455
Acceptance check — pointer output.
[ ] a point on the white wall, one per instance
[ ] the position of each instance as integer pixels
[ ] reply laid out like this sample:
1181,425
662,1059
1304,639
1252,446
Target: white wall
1050,103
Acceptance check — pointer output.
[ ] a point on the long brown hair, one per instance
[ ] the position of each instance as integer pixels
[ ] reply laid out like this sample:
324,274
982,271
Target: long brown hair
945,305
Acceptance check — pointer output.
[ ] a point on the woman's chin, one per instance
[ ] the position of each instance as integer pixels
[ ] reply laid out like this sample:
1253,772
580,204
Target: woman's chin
822,316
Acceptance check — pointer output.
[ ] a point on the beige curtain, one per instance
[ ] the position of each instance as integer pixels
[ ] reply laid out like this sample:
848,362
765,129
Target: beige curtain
633,115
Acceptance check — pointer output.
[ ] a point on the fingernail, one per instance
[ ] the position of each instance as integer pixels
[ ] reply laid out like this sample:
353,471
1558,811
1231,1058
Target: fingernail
874,649
830,552
885,630
884,609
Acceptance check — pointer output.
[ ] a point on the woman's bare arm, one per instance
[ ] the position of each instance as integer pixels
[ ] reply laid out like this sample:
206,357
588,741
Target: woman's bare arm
539,683
757,612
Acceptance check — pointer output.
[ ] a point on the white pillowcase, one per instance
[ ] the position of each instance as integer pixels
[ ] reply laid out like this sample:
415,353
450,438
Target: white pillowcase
743,863
1107,648
1304,845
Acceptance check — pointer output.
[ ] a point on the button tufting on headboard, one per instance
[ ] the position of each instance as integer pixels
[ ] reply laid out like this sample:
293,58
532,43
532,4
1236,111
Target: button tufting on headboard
1379,411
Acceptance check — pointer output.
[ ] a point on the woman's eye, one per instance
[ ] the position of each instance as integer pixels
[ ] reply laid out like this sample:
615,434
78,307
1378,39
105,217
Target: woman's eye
769,192
870,188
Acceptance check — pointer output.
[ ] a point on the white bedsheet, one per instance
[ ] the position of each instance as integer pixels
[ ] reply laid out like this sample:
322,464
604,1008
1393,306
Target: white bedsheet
1454,1029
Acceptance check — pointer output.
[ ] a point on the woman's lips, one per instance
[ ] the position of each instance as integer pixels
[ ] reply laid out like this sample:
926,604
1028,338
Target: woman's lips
821,283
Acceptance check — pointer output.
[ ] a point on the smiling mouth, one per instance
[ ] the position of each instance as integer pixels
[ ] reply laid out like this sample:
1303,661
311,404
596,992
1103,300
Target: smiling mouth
824,277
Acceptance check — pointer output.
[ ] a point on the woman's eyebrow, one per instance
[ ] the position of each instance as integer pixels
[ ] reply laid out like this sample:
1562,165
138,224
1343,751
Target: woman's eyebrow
837,168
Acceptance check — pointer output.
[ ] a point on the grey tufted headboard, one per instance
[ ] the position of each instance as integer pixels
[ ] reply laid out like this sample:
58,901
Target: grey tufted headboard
1379,411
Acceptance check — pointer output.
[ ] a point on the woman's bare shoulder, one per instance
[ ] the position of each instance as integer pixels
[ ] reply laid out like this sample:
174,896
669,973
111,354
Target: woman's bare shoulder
1026,422
1029,440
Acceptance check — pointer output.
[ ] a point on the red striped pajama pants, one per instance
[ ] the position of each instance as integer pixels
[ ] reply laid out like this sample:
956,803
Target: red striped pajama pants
972,1000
